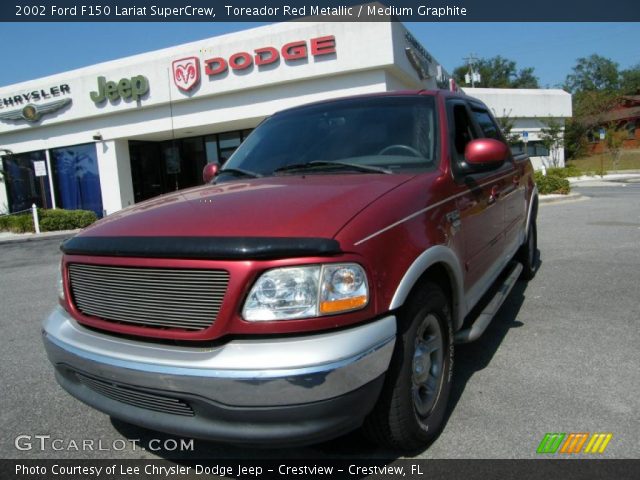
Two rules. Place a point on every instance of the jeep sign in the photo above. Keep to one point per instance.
(127, 88)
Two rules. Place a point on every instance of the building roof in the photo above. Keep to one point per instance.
(614, 115)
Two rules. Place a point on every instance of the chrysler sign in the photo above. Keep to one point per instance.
(34, 104)
(186, 71)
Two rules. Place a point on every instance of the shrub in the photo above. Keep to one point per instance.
(50, 220)
(566, 172)
(552, 184)
(16, 223)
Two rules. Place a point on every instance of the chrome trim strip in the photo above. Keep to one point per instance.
(426, 209)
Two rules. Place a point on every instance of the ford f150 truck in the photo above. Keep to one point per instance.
(316, 283)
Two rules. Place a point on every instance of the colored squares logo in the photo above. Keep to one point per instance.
(569, 443)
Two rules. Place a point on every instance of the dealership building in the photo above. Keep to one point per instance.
(113, 134)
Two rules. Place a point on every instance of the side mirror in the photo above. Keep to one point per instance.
(486, 153)
(210, 171)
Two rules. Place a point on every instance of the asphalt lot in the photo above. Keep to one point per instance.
(562, 356)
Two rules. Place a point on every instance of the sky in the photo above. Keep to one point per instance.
(33, 50)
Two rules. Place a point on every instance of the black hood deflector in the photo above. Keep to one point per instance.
(206, 248)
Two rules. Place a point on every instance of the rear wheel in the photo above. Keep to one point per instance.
(528, 254)
(412, 405)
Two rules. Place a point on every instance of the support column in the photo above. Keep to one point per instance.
(4, 197)
(115, 175)
(50, 179)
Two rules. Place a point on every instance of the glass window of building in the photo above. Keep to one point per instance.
(537, 149)
(24, 181)
(211, 147)
(166, 166)
(77, 181)
(228, 143)
(147, 176)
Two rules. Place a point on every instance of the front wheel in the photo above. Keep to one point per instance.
(413, 403)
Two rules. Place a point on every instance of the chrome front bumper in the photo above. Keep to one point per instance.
(246, 391)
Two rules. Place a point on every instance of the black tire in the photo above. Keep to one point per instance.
(413, 402)
(528, 254)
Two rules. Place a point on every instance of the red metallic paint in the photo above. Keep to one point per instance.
(285, 206)
(349, 208)
(485, 151)
(242, 274)
(209, 172)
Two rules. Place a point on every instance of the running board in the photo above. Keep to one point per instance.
(484, 319)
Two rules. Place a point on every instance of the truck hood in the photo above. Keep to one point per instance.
(286, 206)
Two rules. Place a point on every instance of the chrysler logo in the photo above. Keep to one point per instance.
(186, 73)
(33, 113)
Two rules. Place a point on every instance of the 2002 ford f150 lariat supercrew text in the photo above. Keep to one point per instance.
(316, 283)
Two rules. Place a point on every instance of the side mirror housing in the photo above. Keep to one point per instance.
(485, 154)
(210, 171)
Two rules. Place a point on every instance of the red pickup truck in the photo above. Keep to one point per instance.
(317, 283)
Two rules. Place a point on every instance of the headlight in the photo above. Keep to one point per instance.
(304, 292)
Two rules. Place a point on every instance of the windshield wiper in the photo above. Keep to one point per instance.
(320, 164)
(240, 172)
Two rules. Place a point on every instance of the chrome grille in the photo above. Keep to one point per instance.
(155, 297)
(137, 398)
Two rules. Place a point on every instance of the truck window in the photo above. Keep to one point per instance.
(463, 132)
(487, 125)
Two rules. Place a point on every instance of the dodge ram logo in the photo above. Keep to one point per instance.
(186, 73)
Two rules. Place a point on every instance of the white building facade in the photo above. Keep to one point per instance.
(530, 111)
(107, 136)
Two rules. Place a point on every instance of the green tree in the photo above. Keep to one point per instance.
(552, 138)
(575, 139)
(589, 109)
(498, 72)
(595, 83)
(614, 139)
(593, 73)
(506, 125)
(630, 80)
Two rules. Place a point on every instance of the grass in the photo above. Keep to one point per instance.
(629, 160)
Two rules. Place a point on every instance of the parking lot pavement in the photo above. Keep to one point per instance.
(562, 355)
(8, 237)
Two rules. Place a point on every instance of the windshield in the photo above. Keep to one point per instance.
(391, 134)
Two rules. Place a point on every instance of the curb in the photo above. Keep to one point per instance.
(610, 177)
(556, 198)
(32, 237)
